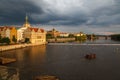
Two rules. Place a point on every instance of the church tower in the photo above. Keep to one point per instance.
(26, 24)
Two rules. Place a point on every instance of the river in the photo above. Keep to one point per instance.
(67, 62)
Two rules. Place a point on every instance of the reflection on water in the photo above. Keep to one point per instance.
(37, 52)
(67, 62)
(29, 60)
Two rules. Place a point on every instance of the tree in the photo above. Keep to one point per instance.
(27, 40)
(71, 36)
(5, 40)
(115, 37)
(81, 38)
(0, 38)
(49, 36)
(14, 39)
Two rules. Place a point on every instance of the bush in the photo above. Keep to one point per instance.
(27, 40)
(115, 37)
(14, 39)
(5, 40)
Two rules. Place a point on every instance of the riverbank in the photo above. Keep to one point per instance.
(17, 46)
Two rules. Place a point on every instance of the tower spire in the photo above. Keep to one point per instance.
(26, 19)
(26, 24)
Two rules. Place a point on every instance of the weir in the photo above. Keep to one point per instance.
(82, 44)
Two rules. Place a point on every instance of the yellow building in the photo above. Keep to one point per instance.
(13, 33)
(35, 35)
(8, 31)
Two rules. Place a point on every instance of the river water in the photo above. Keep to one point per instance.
(67, 62)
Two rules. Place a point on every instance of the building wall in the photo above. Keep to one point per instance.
(64, 34)
(20, 34)
(2, 32)
(35, 37)
(13, 32)
(54, 33)
(8, 31)
(79, 34)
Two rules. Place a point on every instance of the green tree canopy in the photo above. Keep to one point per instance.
(5, 40)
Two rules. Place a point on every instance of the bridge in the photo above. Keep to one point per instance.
(104, 37)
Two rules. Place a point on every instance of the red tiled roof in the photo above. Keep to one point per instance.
(1, 28)
(42, 30)
(36, 29)
(63, 33)
(9, 27)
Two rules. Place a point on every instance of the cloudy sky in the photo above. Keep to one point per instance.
(89, 16)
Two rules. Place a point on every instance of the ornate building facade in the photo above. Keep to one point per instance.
(21, 30)
(35, 35)
(8, 31)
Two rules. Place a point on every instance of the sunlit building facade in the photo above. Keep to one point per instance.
(35, 35)
(8, 31)
(21, 30)
(79, 34)
(62, 34)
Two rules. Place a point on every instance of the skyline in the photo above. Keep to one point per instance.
(96, 16)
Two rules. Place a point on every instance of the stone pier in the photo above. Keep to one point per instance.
(6, 60)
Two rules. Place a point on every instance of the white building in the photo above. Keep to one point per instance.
(21, 30)
(64, 34)
(7, 33)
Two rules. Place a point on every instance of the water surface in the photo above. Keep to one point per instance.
(67, 62)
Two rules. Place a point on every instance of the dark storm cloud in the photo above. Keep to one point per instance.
(79, 12)
(106, 16)
(96, 14)
(14, 11)
(60, 12)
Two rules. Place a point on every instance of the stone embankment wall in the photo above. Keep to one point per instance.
(9, 73)
(61, 39)
(10, 47)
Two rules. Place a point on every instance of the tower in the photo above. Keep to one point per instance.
(26, 24)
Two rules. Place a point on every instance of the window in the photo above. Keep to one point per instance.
(38, 37)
